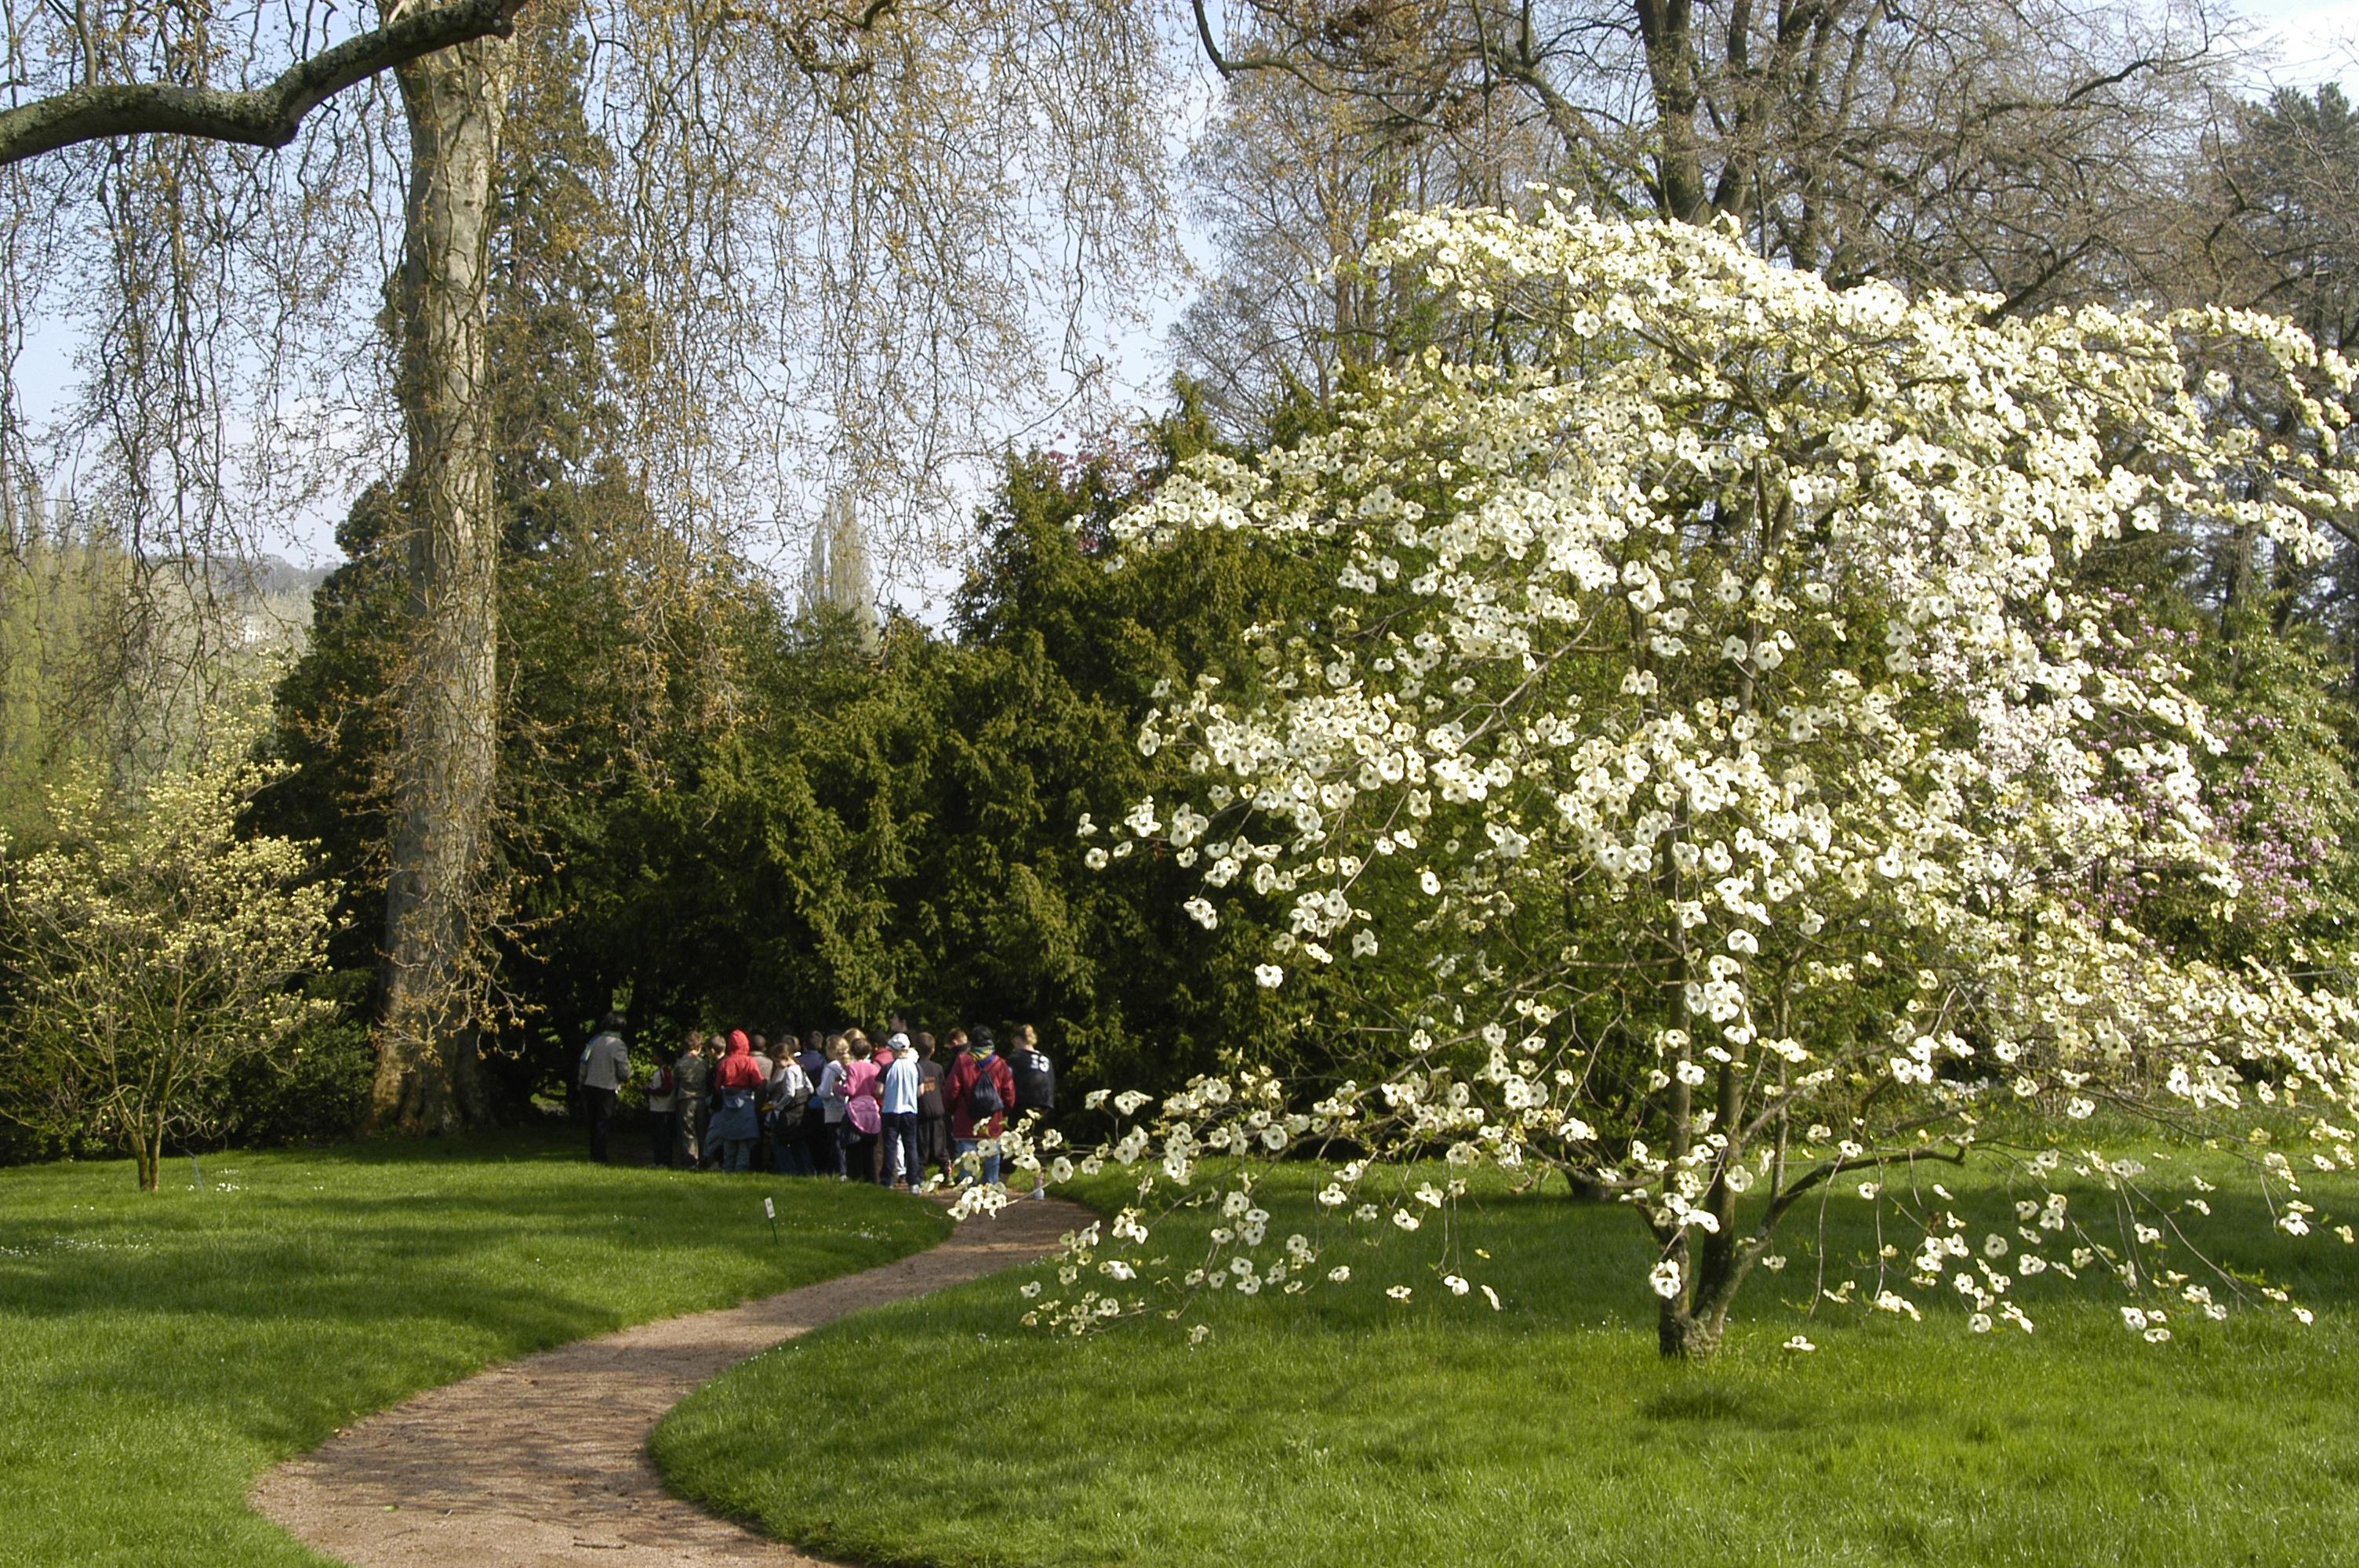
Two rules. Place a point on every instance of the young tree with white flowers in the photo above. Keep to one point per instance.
(1702, 779)
(151, 951)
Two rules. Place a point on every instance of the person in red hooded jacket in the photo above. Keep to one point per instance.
(736, 1124)
(978, 1115)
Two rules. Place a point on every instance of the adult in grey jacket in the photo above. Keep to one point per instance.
(604, 1069)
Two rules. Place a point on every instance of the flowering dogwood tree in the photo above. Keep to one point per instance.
(1695, 780)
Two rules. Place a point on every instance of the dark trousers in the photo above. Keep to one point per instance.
(789, 1150)
(934, 1141)
(711, 1160)
(818, 1137)
(901, 1139)
(600, 1106)
(660, 1127)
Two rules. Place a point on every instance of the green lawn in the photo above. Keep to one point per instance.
(158, 1351)
(1341, 1428)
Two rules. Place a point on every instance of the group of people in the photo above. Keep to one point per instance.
(836, 1105)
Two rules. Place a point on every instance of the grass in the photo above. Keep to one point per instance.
(158, 1351)
(1338, 1427)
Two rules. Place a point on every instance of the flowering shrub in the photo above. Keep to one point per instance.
(154, 952)
(1696, 786)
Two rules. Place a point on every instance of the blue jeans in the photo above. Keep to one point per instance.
(967, 1146)
(901, 1149)
(737, 1153)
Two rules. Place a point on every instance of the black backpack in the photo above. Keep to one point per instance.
(984, 1098)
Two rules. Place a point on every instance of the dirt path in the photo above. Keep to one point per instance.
(544, 1461)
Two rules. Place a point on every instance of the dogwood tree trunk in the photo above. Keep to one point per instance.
(444, 770)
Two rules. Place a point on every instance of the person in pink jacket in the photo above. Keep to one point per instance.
(862, 1113)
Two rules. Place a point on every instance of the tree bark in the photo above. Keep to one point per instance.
(1666, 27)
(444, 767)
(1682, 1335)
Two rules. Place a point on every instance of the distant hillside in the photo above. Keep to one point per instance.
(268, 577)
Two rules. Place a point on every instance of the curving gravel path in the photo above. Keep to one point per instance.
(543, 1460)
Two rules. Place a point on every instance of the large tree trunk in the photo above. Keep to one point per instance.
(1666, 29)
(426, 1076)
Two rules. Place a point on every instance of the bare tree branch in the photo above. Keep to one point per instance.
(262, 116)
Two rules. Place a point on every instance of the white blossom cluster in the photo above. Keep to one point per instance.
(1692, 783)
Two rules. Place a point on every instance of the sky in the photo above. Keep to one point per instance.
(2319, 39)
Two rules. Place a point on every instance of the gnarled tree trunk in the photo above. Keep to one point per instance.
(444, 771)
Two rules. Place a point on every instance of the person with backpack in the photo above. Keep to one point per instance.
(1036, 1089)
(788, 1097)
(604, 1069)
(981, 1089)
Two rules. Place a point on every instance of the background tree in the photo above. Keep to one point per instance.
(2271, 226)
(2283, 178)
(60, 593)
(151, 953)
(51, 108)
(1297, 170)
(2029, 151)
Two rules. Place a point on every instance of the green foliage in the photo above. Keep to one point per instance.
(317, 1090)
(731, 813)
(2280, 789)
(331, 726)
(2277, 783)
(157, 1352)
(1061, 660)
(58, 596)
